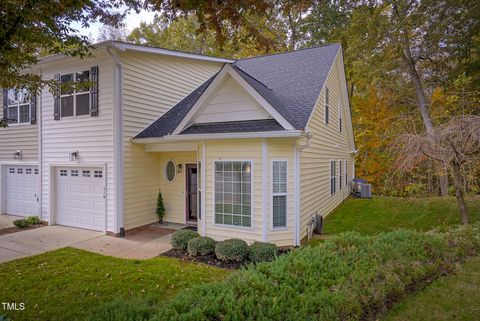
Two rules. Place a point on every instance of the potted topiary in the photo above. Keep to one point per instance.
(160, 207)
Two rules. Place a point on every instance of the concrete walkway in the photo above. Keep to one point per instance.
(36, 241)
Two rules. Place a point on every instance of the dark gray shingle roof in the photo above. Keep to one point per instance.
(290, 82)
(261, 125)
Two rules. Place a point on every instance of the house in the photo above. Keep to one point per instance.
(250, 148)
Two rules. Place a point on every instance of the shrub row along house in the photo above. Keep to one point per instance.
(248, 148)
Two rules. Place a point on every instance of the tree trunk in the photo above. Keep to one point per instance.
(443, 180)
(462, 206)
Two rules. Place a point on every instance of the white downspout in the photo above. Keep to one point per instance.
(39, 110)
(119, 220)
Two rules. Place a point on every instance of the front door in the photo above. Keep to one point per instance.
(191, 193)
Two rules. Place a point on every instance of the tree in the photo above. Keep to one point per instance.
(29, 27)
(108, 32)
(455, 143)
(160, 207)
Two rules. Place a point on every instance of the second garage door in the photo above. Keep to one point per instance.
(80, 197)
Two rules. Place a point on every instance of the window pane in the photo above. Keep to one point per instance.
(13, 114)
(66, 79)
(24, 113)
(83, 104)
(23, 96)
(232, 193)
(279, 211)
(12, 97)
(82, 77)
(66, 106)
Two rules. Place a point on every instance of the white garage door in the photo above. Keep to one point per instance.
(80, 197)
(22, 190)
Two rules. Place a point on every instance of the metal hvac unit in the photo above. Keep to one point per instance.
(366, 190)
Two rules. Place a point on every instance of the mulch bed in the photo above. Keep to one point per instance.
(211, 259)
(14, 229)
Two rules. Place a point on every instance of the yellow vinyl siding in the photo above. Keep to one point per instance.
(18, 137)
(280, 149)
(91, 136)
(152, 85)
(174, 192)
(244, 150)
(327, 144)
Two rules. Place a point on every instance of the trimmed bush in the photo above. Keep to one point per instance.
(348, 277)
(201, 246)
(33, 220)
(232, 250)
(21, 223)
(180, 239)
(262, 252)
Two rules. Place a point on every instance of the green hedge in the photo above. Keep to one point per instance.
(201, 246)
(262, 252)
(232, 250)
(180, 239)
(348, 277)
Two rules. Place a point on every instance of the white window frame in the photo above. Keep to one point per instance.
(174, 171)
(252, 196)
(278, 228)
(74, 94)
(333, 177)
(326, 110)
(346, 173)
(18, 105)
(340, 174)
(340, 119)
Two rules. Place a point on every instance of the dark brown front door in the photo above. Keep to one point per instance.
(191, 193)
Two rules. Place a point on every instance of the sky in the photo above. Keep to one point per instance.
(132, 20)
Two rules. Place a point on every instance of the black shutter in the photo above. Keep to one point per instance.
(33, 108)
(56, 99)
(94, 91)
(5, 103)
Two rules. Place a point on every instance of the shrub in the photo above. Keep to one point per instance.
(180, 239)
(262, 252)
(201, 246)
(347, 277)
(33, 220)
(21, 223)
(232, 250)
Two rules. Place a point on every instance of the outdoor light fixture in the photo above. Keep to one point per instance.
(179, 168)
(74, 156)
(17, 154)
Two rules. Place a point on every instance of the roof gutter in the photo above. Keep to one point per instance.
(218, 136)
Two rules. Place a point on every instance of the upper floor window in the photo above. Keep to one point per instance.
(19, 106)
(340, 122)
(340, 175)
(327, 105)
(75, 94)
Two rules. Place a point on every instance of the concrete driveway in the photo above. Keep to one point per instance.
(31, 242)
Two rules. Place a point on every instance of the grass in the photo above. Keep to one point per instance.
(454, 297)
(68, 283)
(383, 214)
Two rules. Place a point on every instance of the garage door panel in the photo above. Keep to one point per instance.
(22, 190)
(80, 200)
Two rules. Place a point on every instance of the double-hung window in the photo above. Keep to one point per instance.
(340, 175)
(18, 106)
(346, 173)
(340, 122)
(279, 194)
(333, 177)
(75, 94)
(233, 193)
(327, 106)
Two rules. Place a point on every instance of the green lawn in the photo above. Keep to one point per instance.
(70, 283)
(380, 214)
(454, 297)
